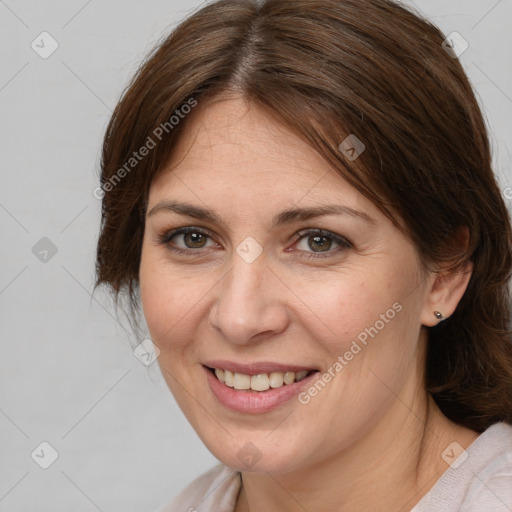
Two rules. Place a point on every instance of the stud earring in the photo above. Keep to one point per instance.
(439, 315)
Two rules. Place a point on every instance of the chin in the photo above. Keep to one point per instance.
(256, 457)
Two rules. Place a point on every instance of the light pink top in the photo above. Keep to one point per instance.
(479, 480)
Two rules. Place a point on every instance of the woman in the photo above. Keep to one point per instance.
(299, 194)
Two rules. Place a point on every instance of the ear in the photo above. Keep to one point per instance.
(446, 288)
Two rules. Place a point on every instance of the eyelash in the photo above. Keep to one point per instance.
(165, 238)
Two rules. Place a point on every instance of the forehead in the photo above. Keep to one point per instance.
(237, 153)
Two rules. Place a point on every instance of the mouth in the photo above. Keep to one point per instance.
(259, 382)
(256, 391)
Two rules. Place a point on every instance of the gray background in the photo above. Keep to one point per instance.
(68, 375)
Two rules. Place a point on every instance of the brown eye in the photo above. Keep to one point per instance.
(320, 241)
(194, 240)
(186, 240)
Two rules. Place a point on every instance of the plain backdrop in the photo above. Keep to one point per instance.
(113, 437)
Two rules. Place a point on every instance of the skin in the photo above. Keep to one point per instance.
(368, 428)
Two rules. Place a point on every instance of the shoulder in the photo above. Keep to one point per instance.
(480, 479)
(491, 488)
(215, 490)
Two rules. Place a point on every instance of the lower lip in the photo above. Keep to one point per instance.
(254, 402)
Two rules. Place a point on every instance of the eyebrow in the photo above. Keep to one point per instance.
(285, 217)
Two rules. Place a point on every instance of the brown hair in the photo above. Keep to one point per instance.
(326, 69)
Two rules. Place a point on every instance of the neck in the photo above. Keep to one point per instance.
(391, 468)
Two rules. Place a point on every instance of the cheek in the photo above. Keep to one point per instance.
(171, 298)
(343, 306)
(367, 320)
(158, 296)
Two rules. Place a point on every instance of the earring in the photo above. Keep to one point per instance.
(438, 315)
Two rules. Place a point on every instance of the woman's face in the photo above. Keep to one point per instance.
(251, 288)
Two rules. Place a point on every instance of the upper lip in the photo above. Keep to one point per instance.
(257, 367)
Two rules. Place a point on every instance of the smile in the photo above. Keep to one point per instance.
(260, 382)
(257, 393)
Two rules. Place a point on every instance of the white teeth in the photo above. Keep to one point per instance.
(228, 378)
(276, 379)
(241, 381)
(260, 382)
(300, 375)
(289, 377)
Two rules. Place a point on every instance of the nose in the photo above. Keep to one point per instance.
(250, 303)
